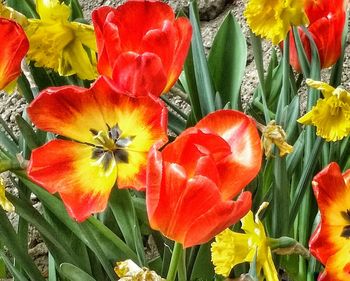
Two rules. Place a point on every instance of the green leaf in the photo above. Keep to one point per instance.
(111, 244)
(13, 270)
(203, 80)
(124, 212)
(73, 273)
(9, 238)
(227, 61)
(76, 10)
(26, 7)
(203, 268)
(27, 132)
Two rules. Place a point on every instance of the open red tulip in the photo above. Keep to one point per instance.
(143, 36)
(14, 45)
(330, 243)
(326, 24)
(191, 183)
(110, 134)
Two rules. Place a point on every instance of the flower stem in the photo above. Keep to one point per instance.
(175, 258)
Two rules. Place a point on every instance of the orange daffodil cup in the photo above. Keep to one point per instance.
(330, 243)
(14, 46)
(326, 24)
(191, 184)
(108, 134)
(141, 35)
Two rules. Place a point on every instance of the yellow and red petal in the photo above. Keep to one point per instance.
(14, 46)
(139, 75)
(69, 111)
(330, 243)
(70, 169)
(244, 162)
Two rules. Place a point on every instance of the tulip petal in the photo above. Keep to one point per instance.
(14, 46)
(217, 218)
(69, 111)
(244, 162)
(68, 168)
(139, 75)
(184, 34)
(135, 19)
(194, 144)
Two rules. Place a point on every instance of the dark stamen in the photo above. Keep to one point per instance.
(346, 232)
(94, 132)
(121, 155)
(114, 132)
(346, 215)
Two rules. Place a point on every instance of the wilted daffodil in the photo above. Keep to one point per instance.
(330, 243)
(330, 115)
(192, 182)
(129, 271)
(274, 134)
(109, 135)
(272, 19)
(232, 248)
(60, 44)
(14, 45)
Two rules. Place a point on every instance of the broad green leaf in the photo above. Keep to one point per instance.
(111, 244)
(124, 212)
(26, 7)
(227, 61)
(18, 275)
(73, 273)
(206, 93)
(27, 132)
(8, 237)
(203, 268)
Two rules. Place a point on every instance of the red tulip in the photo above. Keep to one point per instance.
(327, 19)
(142, 36)
(191, 183)
(14, 45)
(330, 243)
(109, 135)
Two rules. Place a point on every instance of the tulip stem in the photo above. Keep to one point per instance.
(175, 258)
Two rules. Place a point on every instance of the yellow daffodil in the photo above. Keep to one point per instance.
(272, 19)
(130, 271)
(59, 44)
(4, 202)
(330, 115)
(232, 248)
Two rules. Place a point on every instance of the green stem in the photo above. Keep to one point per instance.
(175, 258)
(257, 51)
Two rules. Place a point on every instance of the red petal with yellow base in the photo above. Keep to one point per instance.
(66, 167)
(84, 170)
(142, 27)
(14, 46)
(330, 242)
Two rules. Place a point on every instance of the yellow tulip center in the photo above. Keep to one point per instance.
(111, 146)
(346, 230)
